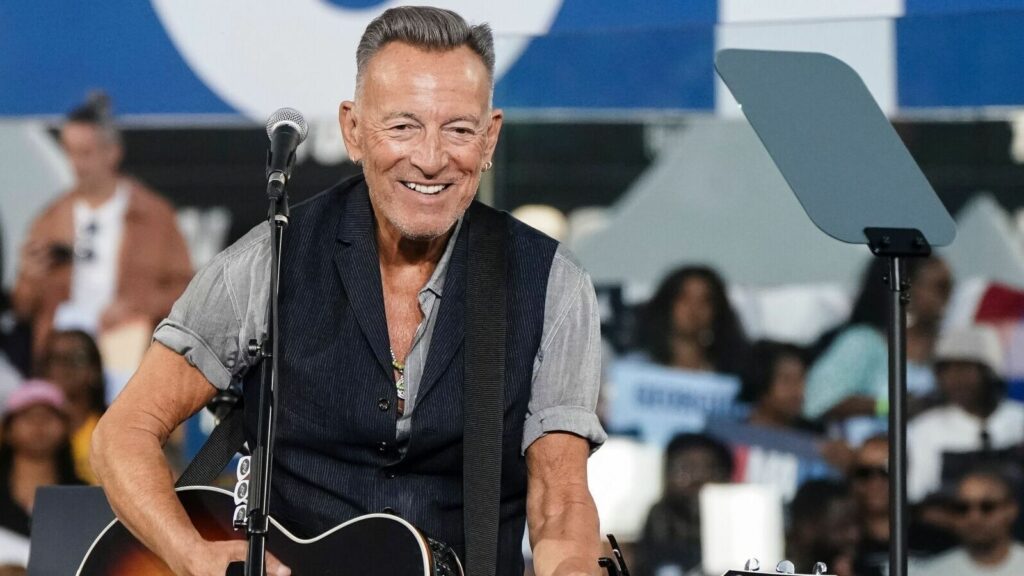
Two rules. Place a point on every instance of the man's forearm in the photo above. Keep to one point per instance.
(559, 508)
(567, 542)
(127, 453)
(140, 488)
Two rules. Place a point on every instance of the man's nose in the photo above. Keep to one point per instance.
(430, 155)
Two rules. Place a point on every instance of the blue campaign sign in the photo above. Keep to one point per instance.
(658, 402)
(781, 458)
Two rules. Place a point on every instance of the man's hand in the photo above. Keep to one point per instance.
(560, 512)
(37, 260)
(213, 558)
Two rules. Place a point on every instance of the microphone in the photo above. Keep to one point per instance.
(286, 129)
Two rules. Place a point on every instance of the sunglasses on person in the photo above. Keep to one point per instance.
(865, 473)
(986, 506)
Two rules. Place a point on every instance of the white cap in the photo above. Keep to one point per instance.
(971, 344)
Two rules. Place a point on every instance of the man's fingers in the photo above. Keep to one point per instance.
(276, 568)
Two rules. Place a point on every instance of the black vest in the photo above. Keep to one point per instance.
(335, 454)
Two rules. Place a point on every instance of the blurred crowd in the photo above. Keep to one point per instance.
(965, 432)
(105, 261)
(99, 267)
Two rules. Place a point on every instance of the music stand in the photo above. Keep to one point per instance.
(858, 183)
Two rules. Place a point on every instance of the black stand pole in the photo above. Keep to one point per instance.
(897, 244)
(899, 296)
(258, 522)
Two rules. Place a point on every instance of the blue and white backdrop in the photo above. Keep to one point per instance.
(213, 60)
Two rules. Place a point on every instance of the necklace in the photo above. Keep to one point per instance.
(400, 381)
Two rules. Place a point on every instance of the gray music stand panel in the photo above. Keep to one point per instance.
(833, 145)
(65, 522)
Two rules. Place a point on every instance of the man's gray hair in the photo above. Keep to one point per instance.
(427, 28)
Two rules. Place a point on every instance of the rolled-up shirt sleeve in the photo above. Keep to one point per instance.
(567, 369)
(222, 309)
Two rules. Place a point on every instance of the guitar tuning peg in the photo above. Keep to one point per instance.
(240, 518)
(752, 565)
(785, 567)
(820, 568)
(243, 468)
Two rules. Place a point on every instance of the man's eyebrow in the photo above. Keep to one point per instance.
(407, 115)
(465, 118)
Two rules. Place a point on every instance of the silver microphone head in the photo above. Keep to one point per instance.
(289, 116)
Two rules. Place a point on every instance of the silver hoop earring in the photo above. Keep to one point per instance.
(487, 165)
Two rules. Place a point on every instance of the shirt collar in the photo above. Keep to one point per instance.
(436, 282)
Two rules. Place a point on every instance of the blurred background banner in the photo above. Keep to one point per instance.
(229, 59)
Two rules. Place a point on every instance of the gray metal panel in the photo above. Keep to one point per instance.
(65, 522)
(833, 145)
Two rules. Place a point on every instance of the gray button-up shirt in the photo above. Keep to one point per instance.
(225, 306)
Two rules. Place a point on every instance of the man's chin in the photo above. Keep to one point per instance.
(424, 232)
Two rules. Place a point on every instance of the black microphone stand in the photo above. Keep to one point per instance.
(258, 518)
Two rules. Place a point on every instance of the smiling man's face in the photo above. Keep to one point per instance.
(423, 128)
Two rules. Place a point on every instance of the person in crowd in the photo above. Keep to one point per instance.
(107, 252)
(71, 360)
(986, 507)
(850, 376)
(690, 324)
(823, 527)
(35, 450)
(975, 422)
(869, 484)
(671, 534)
(773, 384)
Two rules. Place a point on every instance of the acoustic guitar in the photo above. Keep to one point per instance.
(378, 544)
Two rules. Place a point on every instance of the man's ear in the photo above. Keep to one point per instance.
(493, 130)
(349, 122)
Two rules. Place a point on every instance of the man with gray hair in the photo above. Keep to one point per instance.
(374, 332)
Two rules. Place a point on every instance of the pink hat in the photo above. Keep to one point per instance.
(32, 393)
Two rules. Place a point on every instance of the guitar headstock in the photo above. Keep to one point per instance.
(753, 568)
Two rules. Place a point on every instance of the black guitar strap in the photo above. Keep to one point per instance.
(218, 450)
(483, 388)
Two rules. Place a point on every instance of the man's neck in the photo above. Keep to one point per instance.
(97, 193)
(395, 250)
(990, 555)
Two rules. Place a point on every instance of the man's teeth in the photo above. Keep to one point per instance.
(424, 189)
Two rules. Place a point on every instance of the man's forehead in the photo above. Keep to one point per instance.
(398, 61)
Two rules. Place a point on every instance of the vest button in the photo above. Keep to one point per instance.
(383, 404)
(390, 475)
(382, 447)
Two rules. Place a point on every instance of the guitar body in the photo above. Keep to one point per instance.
(379, 544)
